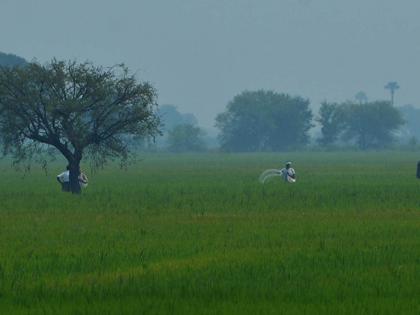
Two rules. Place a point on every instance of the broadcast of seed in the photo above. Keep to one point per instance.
(287, 173)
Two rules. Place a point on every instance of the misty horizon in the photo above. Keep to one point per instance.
(200, 54)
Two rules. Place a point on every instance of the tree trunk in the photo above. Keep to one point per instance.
(74, 177)
(418, 169)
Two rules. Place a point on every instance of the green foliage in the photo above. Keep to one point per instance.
(369, 125)
(185, 138)
(264, 121)
(197, 234)
(170, 117)
(332, 121)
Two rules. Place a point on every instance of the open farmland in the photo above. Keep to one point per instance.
(198, 234)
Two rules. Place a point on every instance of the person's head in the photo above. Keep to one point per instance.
(288, 164)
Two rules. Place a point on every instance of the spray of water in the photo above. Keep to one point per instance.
(268, 174)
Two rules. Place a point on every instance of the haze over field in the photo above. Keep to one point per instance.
(199, 54)
(279, 174)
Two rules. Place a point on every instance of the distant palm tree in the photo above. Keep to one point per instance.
(361, 97)
(392, 87)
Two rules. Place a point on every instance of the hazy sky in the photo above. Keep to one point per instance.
(200, 53)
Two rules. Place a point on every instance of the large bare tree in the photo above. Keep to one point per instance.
(79, 109)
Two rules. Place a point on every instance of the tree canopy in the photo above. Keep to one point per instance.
(185, 138)
(170, 117)
(79, 109)
(367, 125)
(264, 121)
(331, 120)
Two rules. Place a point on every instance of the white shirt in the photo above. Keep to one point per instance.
(288, 174)
(64, 177)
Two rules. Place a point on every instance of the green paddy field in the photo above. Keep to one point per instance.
(198, 234)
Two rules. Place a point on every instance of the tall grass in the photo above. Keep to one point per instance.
(197, 234)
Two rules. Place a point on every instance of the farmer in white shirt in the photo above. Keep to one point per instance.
(288, 173)
(64, 180)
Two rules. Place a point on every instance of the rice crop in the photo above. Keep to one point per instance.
(199, 234)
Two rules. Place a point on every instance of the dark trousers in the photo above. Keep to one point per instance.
(65, 186)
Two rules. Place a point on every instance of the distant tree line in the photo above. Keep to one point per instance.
(180, 131)
(265, 120)
(370, 125)
(10, 60)
(269, 121)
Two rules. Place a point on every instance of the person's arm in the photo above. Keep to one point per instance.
(60, 178)
(83, 178)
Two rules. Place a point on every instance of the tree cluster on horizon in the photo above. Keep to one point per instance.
(264, 121)
(180, 131)
(370, 125)
(269, 121)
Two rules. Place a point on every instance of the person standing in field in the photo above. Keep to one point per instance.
(64, 179)
(83, 180)
(288, 173)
